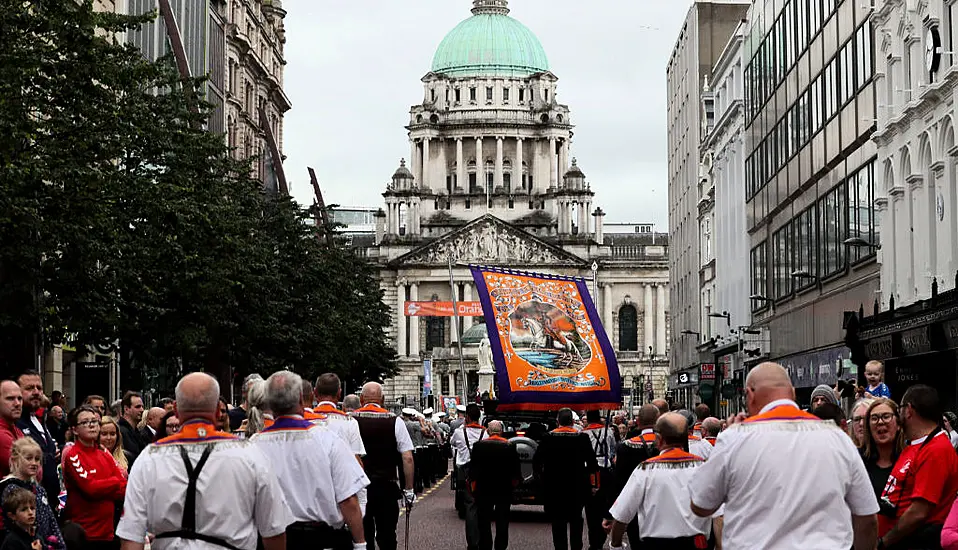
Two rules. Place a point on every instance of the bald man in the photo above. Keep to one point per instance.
(154, 417)
(494, 472)
(711, 427)
(656, 493)
(385, 439)
(662, 405)
(634, 451)
(224, 473)
(786, 478)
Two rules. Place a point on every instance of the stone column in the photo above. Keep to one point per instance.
(607, 308)
(413, 323)
(534, 165)
(460, 166)
(517, 166)
(553, 166)
(480, 165)
(426, 165)
(414, 160)
(452, 384)
(467, 297)
(53, 369)
(563, 158)
(411, 217)
(647, 305)
(660, 319)
(498, 174)
(400, 318)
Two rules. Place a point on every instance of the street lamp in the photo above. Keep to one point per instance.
(691, 333)
(806, 275)
(759, 298)
(859, 242)
(724, 315)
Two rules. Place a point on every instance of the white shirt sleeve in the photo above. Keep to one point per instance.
(272, 514)
(859, 495)
(709, 487)
(348, 476)
(403, 441)
(134, 523)
(355, 438)
(627, 506)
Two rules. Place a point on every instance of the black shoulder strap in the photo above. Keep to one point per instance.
(188, 526)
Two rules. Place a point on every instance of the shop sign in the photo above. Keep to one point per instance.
(906, 374)
(707, 371)
(951, 334)
(916, 341)
(808, 370)
(879, 348)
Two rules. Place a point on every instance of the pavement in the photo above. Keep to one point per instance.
(435, 525)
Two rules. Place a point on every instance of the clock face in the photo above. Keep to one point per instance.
(932, 50)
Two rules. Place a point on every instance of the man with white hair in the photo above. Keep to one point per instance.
(787, 479)
(319, 474)
(206, 487)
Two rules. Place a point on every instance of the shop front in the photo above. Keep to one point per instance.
(683, 387)
(918, 345)
(810, 369)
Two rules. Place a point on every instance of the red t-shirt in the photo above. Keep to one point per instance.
(94, 483)
(928, 472)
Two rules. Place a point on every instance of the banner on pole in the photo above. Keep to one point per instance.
(426, 377)
(441, 309)
(548, 344)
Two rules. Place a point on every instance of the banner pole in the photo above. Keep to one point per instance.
(455, 325)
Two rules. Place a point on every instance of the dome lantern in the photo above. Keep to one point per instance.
(494, 7)
(402, 178)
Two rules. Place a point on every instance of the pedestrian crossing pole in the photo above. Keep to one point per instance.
(455, 328)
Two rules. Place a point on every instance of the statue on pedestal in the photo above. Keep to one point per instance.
(486, 365)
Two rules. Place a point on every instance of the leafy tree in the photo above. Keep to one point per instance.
(122, 220)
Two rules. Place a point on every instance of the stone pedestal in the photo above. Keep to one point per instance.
(487, 378)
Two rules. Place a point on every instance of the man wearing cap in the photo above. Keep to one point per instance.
(463, 440)
(823, 394)
(454, 425)
(786, 478)
(324, 503)
(657, 494)
(460, 417)
(415, 435)
(602, 440)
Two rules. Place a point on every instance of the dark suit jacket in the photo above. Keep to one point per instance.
(565, 463)
(494, 469)
(132, 441)
(50, 481)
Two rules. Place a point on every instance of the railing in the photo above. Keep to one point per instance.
(638, 252)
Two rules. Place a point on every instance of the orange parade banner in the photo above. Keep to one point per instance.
(442, 309)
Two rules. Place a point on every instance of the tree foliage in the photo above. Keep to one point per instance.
(122, 220)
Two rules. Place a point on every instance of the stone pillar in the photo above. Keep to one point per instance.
(660, 319)
(498, 174)
(401, 318)
(563, 158)
(413, 323)
(467, 297)
(553, 164)
(480, 165)
(534, 165)
(607, 308)
(517, 166)
(452, 384)
(599, 216)
(414, 160)
(411, 217)
(53, 369)
(426, 182)
(461, 178)
(647, 305)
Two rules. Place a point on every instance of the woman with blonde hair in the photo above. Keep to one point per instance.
(25, 460)
(258, 416)
(859, 421)
(884, 440)
(112, 440)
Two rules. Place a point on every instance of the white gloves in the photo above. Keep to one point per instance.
(359, 546)
(408, 498)
(623, 547)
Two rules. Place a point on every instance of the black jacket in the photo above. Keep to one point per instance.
(48, 445)
(566, 466)
(132, 441)
(494, 468)
(17, 539)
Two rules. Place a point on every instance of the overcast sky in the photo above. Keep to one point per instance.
(355, 68)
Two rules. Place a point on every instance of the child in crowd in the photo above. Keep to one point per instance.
(875, 375)
(25, 460)
(20, 515)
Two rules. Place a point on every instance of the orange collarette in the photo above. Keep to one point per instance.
(694, 438)
(371, 408)
(676, 455)
(329, 409)
(644, 438)
(310, 415)
(496, 438)
(711, 440)
(474, 425)
(595, 426)
(564, 430)
(781, 412)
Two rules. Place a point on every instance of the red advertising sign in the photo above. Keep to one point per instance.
(707, 371)
(442, 309)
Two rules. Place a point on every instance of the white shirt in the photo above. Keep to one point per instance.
(314, 466)
(344, 426)
(700, 447)
(657, 493)
(403, 441)
(787, 481)
(237, 494)
(458, 442)
(604, 455)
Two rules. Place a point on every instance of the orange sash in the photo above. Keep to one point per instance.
(676, 455)
(780, 413)
(644, 438)
(329, 409)
(195, 431)
(564, 430)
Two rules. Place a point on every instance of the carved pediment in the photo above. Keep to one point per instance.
(489, 241)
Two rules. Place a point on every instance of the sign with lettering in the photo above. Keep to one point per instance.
(879, 348)
(916, 341)
(442, 309)
(951, 334)
(906, 374)
(707, 371)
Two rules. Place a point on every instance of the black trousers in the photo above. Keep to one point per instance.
(596, 510)
(470, 509)
(494, 509)
(319, 537)
(632, 530)
(682, 543)
(382, 515)
(566, 519)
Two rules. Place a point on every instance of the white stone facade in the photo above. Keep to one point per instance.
(916, 190)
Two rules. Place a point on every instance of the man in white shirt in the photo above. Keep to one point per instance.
(462, 441)
(316, 470)
(328, 391)
(201, 489)
(657, 495)
(788, 479)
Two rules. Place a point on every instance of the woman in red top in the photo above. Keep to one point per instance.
(92, 478)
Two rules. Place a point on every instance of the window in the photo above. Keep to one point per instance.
(861, 212)
(505, 94)
(628, 329)
(488, 93)
(458, 95)
(435, 333)
(758, 262)
(432, 94)
(782, 263)
(472, 94)
(522, 95)
(804, 238)
(832, 208)
(547, 95)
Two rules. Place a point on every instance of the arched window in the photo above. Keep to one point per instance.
(628, 329)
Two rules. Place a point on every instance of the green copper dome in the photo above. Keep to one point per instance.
(490, 43)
